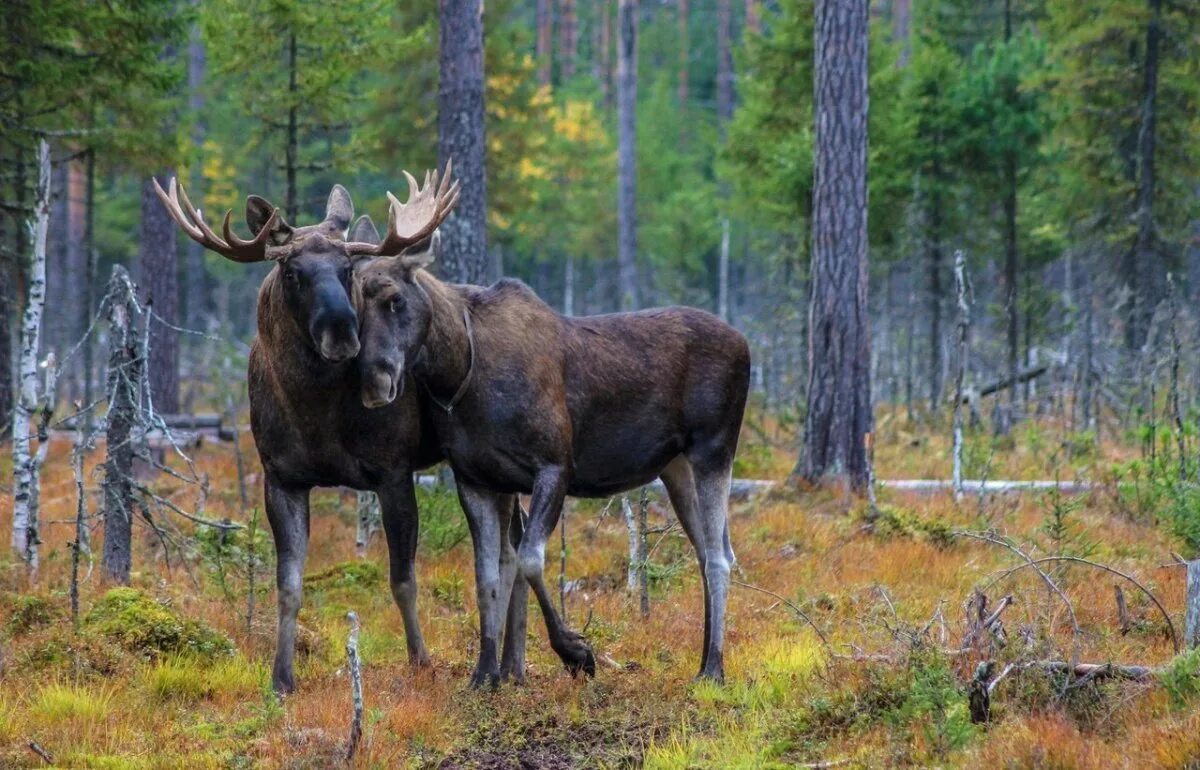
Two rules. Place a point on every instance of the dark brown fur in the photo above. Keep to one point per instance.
(582, 406)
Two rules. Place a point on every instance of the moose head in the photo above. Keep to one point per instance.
(315, 263)
(396, 316)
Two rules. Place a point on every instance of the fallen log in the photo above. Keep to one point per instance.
(1004, 383)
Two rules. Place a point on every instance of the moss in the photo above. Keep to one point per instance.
(140, 624)
(30, 612)
(347, 574)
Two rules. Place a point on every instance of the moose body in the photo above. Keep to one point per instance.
(309, 426)
(529, 401)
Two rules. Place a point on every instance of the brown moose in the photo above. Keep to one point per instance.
(525, 400)
(308, 421)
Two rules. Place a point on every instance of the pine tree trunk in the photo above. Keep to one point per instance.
(935, 298)
(753, 17)
(76, 278)
(1145, 275)
(1011, 267)
(568, 39)
(292, 149)
(684, 58)
(25, 476)
(602, 53)
(839, 388)
(627, 29)
(461, 137)
(724, 114)
(197, 295)
(157, 279)
(545, 30)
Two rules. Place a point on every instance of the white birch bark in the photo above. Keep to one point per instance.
(24, 539)
(964, 321)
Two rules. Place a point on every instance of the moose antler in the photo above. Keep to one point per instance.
(189, 218)
(410, 223)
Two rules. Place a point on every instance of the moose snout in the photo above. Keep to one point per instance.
(381, 383)
(336, 348)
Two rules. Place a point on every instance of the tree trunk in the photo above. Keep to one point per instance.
(197, 295)
(1145, 275)
(627, 283)
(89, 280)
(753, 17)
(568, 31)
(1011, 266)
(602, 55)
(545, 29)
(935, 298)
(124, 381)
(684, 58)
(724, 114)
(461, 137)
(839, 387)
(25, 476)
(292, 149)
(157, 279)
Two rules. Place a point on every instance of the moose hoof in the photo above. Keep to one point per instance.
(714, 674)
(576, 654)
(485, 680)
(419, 659)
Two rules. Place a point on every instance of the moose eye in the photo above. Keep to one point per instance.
(290, 275)
(395, 305)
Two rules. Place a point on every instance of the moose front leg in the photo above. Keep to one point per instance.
(489, 516)
(287, 512)
(398, 506)
(549, 491)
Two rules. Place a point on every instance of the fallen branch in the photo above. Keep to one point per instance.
(792, 606)
(45, 755)
(1080, 560)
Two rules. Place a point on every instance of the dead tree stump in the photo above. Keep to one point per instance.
(124, 388)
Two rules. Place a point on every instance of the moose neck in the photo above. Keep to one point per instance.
(445, 362)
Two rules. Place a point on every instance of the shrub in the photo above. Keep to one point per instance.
(1181, 678)
(347, 574)
(30, 612)
(140, 624)
(443, 523)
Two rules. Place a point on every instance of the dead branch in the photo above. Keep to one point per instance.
(1080, 560)
(791, 605)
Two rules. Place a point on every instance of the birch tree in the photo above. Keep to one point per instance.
(25, 465)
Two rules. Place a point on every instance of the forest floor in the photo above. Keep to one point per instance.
(146, 683)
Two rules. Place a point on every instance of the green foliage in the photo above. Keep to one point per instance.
(898, 522)
(347, 574)
(232, 554)
(1098, 84)
(443, 524)
(30, 612)
(141, 625)
(1181, 678)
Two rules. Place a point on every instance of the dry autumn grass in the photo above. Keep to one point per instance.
(896, 589)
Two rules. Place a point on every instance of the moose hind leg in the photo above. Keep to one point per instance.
(680, 482)
(287, 513)
(712, 491)
(512, 657)
(549, 491)
(398, 505)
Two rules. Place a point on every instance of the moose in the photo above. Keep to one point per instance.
(308, 422)
(525, 400)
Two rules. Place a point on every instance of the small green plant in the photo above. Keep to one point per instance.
(449, 590)
(30, 612)
(140, 624)
(346, 574)
(443, 524)
(1181, 678)
(1066, 534)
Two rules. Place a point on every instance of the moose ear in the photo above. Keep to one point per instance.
(339, 210)
(422, 254)
(258, 211)
(364, 231)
